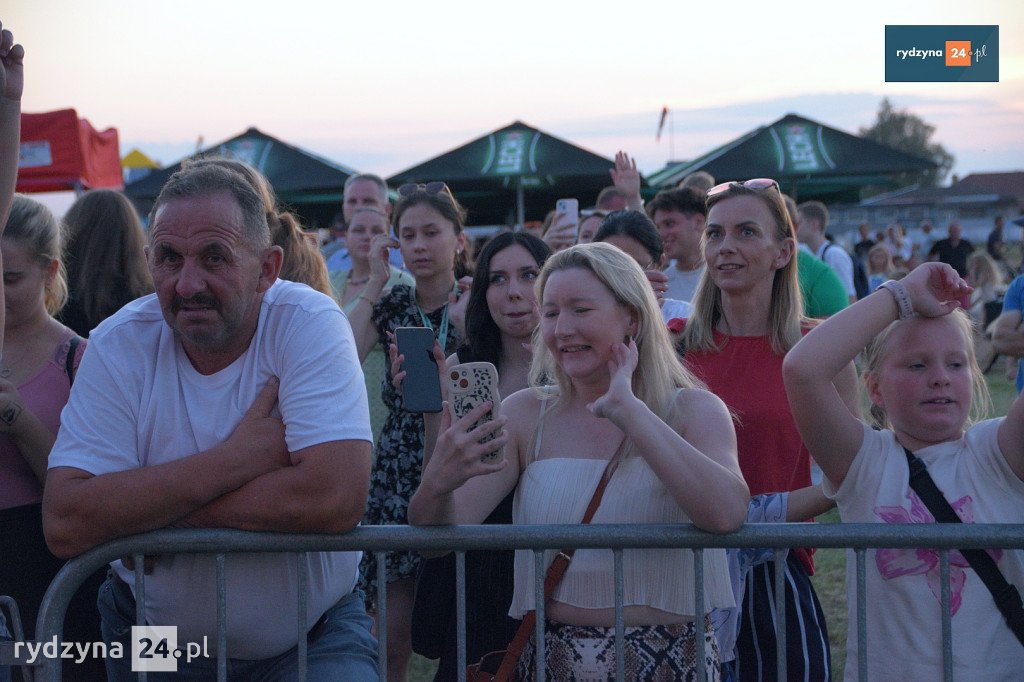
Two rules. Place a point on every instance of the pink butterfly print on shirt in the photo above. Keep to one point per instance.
(896, 563)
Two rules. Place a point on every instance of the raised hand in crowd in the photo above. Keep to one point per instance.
(562, 232)
(457, 302)
(626, 177)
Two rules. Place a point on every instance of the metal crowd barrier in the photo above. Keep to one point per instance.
(382, 539)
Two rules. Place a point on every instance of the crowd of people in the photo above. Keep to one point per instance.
(683, 361)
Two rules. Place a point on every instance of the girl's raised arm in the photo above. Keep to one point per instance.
(831, 431)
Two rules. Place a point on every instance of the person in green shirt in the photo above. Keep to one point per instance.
(822, 291)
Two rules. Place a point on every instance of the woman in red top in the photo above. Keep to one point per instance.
(746, 315)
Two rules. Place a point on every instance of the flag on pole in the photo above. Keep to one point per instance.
(661, 123)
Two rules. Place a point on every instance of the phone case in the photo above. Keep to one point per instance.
(421, 388)
(469, 385)
(569, 207)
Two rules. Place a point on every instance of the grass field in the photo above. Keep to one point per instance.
(830, 564)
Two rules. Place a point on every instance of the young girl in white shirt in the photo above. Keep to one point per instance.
(924, 383)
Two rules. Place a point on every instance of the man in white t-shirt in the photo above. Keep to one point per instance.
(812, 219)
(228, 399)
(679, 216)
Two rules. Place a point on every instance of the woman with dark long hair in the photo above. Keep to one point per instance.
(429, 224)
(105, 259)
(501, 317)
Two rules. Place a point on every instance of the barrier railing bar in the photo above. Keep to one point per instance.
(460, 614)
(538, 596)
(222, 618)
(382, 617)
(780, 612)
(17, 631)
(620, 619)
(947, 628)
(539, 537)
(140, 598)
(862, 615)
(301, 565)
(699, 622)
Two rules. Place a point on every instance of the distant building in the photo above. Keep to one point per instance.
(1011, 184)
(974, 202)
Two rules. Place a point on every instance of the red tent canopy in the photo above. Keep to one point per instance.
(59, 151)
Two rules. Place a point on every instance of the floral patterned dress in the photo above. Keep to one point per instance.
(399, 454)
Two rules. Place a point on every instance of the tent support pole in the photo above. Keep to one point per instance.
(520, 204)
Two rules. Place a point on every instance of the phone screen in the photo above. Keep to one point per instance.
(421, 387)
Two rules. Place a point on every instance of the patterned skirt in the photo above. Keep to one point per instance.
(653, 653)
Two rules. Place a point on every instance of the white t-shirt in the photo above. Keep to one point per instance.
(682, 283)
(138, 401)
(904, 633)
(840, 261)
(671, 308)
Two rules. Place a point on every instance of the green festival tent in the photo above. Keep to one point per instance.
(809, 159)
(309, 185)
(513, 174)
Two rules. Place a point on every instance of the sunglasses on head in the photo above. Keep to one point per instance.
(429, 188)
(756, 183)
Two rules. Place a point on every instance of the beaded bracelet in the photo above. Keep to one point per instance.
(902, 296)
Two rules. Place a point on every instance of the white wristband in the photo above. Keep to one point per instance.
(902, 296)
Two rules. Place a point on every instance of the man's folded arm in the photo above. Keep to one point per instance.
(82, 510)
(323, 492)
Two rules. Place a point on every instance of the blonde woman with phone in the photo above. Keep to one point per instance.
(620, 403)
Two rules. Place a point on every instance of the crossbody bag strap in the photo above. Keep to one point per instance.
(555, 573)
(69, 361)
(1006, 596)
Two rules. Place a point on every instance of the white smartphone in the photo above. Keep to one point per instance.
(469, 385)
(570, 208)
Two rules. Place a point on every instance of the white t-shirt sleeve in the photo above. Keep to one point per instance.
(322, 396)
(98, 424)
(841, 262)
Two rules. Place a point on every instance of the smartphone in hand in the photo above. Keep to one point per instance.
(469, 385)
(421, 388)
(570, 208)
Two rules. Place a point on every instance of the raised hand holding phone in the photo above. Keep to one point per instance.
(472, 384)
(562, 232)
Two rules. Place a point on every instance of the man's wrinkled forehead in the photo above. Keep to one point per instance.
(215, 215)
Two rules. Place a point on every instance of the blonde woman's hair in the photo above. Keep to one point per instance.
(37, 230)
(785, 310)
(659, 374)
(988, 265)
(874, 354)
(879, 248)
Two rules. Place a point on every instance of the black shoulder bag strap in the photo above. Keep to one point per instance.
(69, 361)
(1006, 596)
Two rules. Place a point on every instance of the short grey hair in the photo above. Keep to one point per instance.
(202, 180)
(370, 177)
